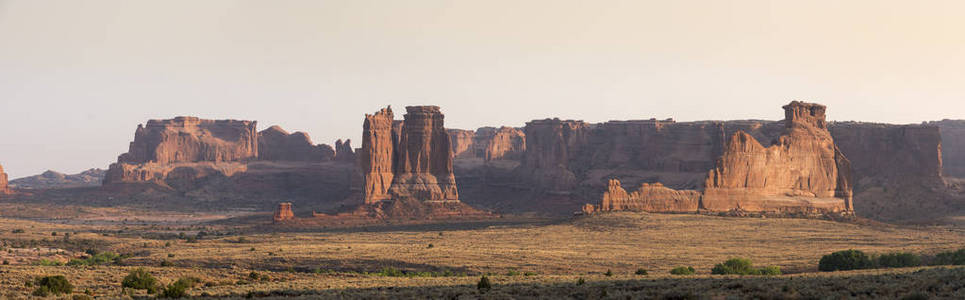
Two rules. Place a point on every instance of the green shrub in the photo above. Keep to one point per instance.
(179, 288)
(898, 260)
(641, 272)
(683, 271)
(102, 258)
(743, 266)
(47, 262)
(52, 285)
(580, 281)
(140, 279)
(608, 273)
(512, 273)
(845, 260)
(484, 285)
(738, 266)
(770, 270)
(950, 258)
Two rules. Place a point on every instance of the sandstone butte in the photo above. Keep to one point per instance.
(407, 169)
(802, 172)
(283, 212)
(4, 189)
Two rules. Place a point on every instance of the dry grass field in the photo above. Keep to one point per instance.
(527, 259)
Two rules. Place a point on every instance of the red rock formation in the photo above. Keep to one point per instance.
(462, 143)
(377, 156)
(489, 143)
(423, 168)
(897, 169)
(190, 139)
(344, 151)
(276, 144)
(505, 142)
(803, 171)
(953, 146)
(177, 145)
(650, 198)
(550, 144)
(283, 212)
(4, 189)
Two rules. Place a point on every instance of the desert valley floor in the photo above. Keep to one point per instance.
(524, 257)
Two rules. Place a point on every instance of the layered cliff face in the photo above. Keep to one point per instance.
(803, 171)
(953, 146)
(488, 143)
(4, 189)
(276, 144)
(462, 143)
(897, 169)
(502, 143)
(165, 146)
(550, 145)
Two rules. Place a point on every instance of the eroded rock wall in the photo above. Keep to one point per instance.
(953, 146)
(550, 146)
(276, 144)
(897, 169)
(190, 139)
(649, 197)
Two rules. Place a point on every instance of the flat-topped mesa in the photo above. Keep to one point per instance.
(423, 168)
(4, 189)
(377, 155)
(276, 144)
(190, 139)
(162, 146)
(803, 172)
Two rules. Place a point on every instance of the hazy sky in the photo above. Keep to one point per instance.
(76, 77)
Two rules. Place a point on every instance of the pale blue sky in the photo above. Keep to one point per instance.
(76, 77)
